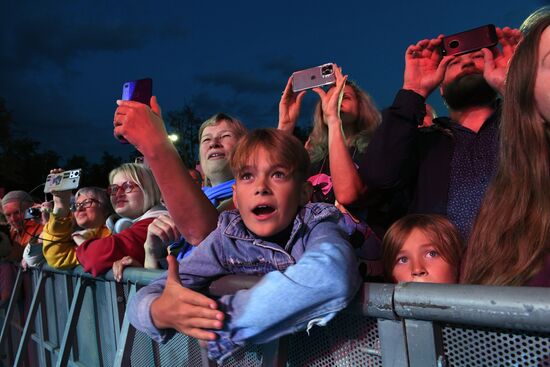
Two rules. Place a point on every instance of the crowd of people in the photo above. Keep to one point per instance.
(372, 196)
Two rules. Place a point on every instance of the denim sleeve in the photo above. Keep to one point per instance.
(312, 291)
(195, 272)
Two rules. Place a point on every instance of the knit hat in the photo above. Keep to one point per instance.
(17, 195)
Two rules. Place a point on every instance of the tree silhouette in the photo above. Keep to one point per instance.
(23, 166)
(185, 123)
(98, 173)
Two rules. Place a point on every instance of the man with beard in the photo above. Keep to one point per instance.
(446, 168)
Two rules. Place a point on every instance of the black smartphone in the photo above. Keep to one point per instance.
(470, 41)
(313, 77)
(140, 91)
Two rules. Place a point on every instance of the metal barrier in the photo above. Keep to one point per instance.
(77, 320)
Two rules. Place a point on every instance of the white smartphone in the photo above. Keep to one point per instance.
(313, 77)
(66, 180)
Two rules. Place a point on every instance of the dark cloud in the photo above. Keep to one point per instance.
(252, 112)
(31, 46)
(60, 59)
(283, 65)
(239, 82)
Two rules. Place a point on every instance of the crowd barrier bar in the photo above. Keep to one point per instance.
(409, 325)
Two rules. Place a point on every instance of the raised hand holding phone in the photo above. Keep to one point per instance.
(331, 99)
(141, 125)
(424, 67)
(139, 91)
(497, 60)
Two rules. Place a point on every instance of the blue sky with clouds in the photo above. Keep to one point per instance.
(63, 63)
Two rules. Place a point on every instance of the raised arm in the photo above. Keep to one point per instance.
(390, 155)
(144, 128)
(58, 247)
(347, 184)
(424, 67)
(289, 108)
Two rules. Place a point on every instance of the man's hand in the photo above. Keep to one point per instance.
(185, 310)
(141, 125)
(497, 61)
(289, 108)
(424, 67)
(330, 100)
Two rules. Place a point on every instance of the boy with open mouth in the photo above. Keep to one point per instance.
(311, 269)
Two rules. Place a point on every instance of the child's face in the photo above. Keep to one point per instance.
(267, 195)
(420, 261)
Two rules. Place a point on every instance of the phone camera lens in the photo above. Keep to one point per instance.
(454, 44)
(33, 212)
(326, 70)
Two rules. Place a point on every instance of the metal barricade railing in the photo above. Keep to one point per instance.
(77, 320)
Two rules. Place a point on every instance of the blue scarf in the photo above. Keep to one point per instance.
(220, 192)
(215, 194)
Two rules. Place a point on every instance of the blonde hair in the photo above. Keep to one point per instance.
(143, 177)
(367, 121)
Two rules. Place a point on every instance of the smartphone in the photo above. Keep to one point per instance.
(32, 213)
(66, 180)
(140, 91)
(313, 77)
(470, 41)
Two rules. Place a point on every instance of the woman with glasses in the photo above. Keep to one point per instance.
(136, 198)
(89, 212)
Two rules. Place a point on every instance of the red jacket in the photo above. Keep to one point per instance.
(98, 255)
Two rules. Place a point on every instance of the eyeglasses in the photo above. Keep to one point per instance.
(127, 187)
(85, 204)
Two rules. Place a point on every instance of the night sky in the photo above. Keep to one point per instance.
(63, 63)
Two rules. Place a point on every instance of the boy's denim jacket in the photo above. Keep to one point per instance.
(306, 283)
